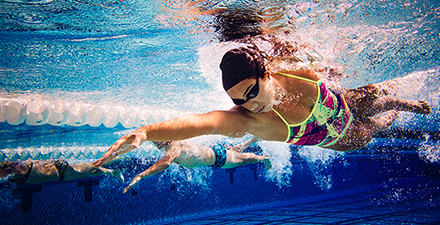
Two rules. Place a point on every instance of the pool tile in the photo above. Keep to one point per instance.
(242, 222)
(411, 219)
(351, 216)
(300, 213)
(320, 220)
(379, 222)
(235, 216)
(200, 222)
(271, 218)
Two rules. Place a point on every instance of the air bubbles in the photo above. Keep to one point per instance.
(319, 160)
(430, 152)
(280, 155)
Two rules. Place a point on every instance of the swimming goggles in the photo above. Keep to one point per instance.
(251, 94)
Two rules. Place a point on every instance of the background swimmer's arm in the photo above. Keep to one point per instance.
(240, 147)
(231, 123)
(162, 164)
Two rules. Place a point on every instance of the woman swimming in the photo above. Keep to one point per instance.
(291, 106)
(39, 171)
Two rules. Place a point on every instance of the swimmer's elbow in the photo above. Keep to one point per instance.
(218, 122)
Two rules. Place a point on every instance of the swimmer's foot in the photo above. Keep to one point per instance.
(126, 189)
(384, 121)
(118, 175)
(420, 107)
(267, 162)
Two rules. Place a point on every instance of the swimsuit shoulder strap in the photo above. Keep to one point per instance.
(287, 124)
(298, 77)
(281, 117)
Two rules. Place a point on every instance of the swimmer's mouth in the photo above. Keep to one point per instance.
(262, 108)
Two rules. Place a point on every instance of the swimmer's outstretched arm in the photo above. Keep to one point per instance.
(162, 164)
(232, 123)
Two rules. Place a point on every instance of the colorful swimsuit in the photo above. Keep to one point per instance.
(326, 123)
(220, 155)
(61, 166)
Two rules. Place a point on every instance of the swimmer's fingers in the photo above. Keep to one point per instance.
(123, 145)
(109, 155)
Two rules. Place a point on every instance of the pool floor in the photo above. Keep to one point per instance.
(408, 203)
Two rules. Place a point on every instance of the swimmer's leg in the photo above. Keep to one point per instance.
(373, 99)
(362, 131)
(115, 173)
(384, 121)
(390, 103)
(235, 159)
(85, 170)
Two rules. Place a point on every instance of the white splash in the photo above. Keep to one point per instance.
(318, 160)
(430, 151)
(280, 155)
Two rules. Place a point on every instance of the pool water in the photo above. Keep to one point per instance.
(77, 75)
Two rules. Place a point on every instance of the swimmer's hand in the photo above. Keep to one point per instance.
(133, 183)
(123, 145)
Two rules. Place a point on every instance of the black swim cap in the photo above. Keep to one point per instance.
(240, 64)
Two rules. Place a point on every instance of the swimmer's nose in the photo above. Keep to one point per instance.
(254, 107)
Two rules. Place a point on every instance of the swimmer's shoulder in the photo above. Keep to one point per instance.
(306, 73)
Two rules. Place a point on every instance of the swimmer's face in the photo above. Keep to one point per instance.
(253, 94)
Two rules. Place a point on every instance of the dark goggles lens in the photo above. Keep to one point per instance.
(251, 94)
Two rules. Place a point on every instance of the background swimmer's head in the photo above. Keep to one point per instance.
(12, 168)
(240, 64)
(237, 23)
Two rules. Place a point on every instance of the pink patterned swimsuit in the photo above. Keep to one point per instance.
(326, 123)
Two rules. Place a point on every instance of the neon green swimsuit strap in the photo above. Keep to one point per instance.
(314, 107)
(287, 124)
(298, 77)
(311, 112)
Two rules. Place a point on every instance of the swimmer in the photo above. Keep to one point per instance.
(294, 106)
(38, 171)
(190, 155)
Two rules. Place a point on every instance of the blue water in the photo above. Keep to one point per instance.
(77, 75)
